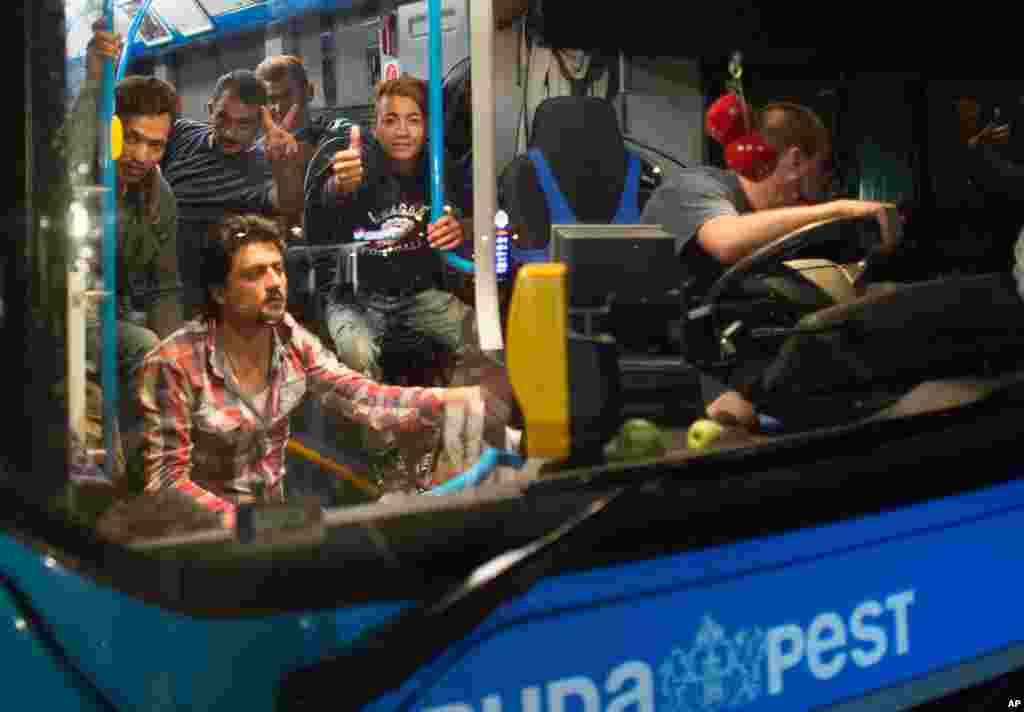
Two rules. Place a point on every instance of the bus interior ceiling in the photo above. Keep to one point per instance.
(666, 89)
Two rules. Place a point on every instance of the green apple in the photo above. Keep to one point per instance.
(637, 438)
(702, 434)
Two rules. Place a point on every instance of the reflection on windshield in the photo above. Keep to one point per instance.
(285, 320)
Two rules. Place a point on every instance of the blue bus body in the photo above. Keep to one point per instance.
(928, 594)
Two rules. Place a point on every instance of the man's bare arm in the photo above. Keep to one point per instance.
(287, 163)
(729, 238)
(286, 195)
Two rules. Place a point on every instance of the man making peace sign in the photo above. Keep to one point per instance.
(216, 167)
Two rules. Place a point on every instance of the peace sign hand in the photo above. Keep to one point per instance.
(280, 144)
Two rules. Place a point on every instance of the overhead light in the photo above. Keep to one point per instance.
(222, 7)
(185, 16)
(151, 31)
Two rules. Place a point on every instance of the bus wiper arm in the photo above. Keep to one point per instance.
(384, 657)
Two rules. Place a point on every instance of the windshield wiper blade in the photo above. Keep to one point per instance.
(386, 656)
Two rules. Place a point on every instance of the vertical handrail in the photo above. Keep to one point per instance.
(484, 172)
(129, 42)
(109, 174)
(485, 179)
(436, 111)
(108, 372)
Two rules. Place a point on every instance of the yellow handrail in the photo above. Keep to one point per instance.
(341, 470)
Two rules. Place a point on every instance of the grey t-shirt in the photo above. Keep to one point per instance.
(681, 208)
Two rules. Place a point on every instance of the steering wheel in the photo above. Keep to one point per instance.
(726, 334)
(769, 257)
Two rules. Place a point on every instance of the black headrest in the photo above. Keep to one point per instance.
(580, 138)
(576, 123)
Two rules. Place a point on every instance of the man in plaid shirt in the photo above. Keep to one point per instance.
(216, 395)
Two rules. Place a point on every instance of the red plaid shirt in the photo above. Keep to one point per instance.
(205, 439)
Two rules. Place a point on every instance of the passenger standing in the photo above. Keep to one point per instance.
(147, 264)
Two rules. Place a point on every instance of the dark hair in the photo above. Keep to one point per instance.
(146, 96)
(276, 68)
(225, 240)
(244, 84)
(406, 85)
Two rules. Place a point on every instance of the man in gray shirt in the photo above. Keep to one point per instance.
(719, 216)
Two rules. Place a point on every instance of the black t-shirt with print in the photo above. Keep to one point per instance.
(384, 202)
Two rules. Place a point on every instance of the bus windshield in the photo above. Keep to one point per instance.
(293, 266)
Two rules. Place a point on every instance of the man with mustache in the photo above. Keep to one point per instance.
(216, 167)
(147, 265)
(217, 395)
(720, 217)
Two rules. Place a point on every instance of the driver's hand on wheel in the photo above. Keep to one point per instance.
(991, 135)
(891, 222)
(888, 216)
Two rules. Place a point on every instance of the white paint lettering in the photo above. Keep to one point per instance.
(826, 643)
(530, 699)
(868, 633)
(779, 660)
(897, 603)
(638, 699)
(826, 633)
(578, 687)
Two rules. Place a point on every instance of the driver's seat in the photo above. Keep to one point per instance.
(580, 170)
(577, 166)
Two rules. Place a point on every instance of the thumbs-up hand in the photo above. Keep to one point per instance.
(347, 165)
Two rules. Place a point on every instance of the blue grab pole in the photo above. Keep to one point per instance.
(108, 374)
(479, 472)
(436, 110)
(129, 42)
(436, 101)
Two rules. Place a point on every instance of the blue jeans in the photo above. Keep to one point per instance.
(367, 327)
(364, 325)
